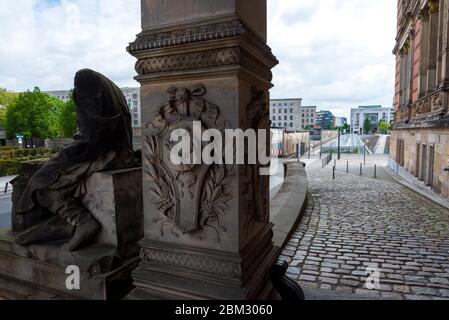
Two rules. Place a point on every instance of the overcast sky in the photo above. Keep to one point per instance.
(335, 54)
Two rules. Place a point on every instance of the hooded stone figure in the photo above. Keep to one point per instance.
(103, 142)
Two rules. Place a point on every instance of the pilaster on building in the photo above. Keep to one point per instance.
(420, 139)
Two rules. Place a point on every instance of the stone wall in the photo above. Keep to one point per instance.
(437, 138)
(293, 139)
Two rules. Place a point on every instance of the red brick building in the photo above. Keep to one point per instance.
(420, 139)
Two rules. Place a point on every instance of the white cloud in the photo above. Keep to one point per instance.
(44, 42)
(334, 53)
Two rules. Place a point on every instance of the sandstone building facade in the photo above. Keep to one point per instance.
(420, 139)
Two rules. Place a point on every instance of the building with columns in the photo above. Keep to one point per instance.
(420, 139)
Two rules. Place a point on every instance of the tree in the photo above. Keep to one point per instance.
(6, 98)
(34, 115)
(68, 118)
(384, 127)
(367, 126)
(308, 127)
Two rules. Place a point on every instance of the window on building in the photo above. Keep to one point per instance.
(291, 125)
(135, 96)
(291, 110)
(285, 118)
(291, 118)
(430, 41)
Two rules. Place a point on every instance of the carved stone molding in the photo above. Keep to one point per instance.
(148, 40)
(191, 262)
(402, 114)
(432, 104)
(201, 60)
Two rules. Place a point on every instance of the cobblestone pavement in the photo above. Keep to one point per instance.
(354, 222)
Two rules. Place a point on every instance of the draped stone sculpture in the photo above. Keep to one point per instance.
(50, 208)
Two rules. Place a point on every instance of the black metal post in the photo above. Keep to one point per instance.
(321, 144)
(339, 144)
(333, 173)
(347, 166)
(361, 169)
(375, 171)
(364, 152)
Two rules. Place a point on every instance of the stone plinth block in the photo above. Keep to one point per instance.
(39, 272)
(115, 200)
(157, 13)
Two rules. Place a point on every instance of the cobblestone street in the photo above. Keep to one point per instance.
(354, 222)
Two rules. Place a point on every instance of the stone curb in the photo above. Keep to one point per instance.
(290, 203)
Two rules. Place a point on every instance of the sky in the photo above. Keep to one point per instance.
(335, 54)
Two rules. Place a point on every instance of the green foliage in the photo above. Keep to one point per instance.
(6, 98)
(9, 167)
(34, 115)
(384, 127)
(68, 118)
(367, 126)
(12, 157)
(14, 153)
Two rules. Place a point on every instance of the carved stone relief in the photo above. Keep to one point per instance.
(256, 187)
(191, 199)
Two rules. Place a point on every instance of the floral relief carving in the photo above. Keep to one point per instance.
(190, 199)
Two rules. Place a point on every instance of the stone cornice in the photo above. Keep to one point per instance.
(194, 34)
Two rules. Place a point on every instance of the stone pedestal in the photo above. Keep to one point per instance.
(207, 229)
(115, 199)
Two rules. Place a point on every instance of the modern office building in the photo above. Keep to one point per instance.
(290, 114)
(374, 113)
(324, 119)
(340, 122)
